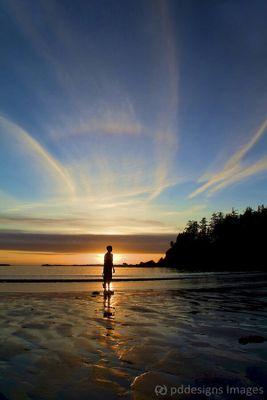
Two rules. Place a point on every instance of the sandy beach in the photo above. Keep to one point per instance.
(89, 346)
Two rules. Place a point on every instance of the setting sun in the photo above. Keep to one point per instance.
(117, 258)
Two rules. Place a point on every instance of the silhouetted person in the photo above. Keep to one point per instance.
(108, 268)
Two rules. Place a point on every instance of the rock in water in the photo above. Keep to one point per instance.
(251, 339)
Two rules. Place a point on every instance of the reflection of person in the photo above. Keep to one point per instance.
(107, 312)
(108, 268)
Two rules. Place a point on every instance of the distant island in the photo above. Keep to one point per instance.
(5, 265)
(146, 264)
(71, 265)
(226, 242)
(150, 263)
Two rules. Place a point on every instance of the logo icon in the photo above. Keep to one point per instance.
(161, 390)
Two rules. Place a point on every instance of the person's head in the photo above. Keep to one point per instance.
(109, 249)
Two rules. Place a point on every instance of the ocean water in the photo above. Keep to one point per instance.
(28, 278)
(86, 272)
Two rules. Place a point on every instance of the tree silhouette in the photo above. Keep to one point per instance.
(232, 241)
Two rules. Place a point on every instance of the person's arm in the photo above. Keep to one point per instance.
(104, 265)
(113, 265)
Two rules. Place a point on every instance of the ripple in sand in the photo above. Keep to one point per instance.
(143, 386)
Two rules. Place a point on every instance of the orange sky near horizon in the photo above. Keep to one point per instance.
(37, 258)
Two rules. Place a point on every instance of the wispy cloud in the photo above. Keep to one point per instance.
(22, 140)
(106, 121)
(91, 221)
(253, 169)
(108, 152)
(234, 171)
(166, 135)
(95, 103)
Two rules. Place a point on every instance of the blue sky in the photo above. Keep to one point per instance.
(130, 117)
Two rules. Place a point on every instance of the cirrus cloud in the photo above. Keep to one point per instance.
(234, 171)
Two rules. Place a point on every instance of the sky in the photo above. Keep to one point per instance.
(121, 120)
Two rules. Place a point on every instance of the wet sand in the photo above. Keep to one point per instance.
(87, 346)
